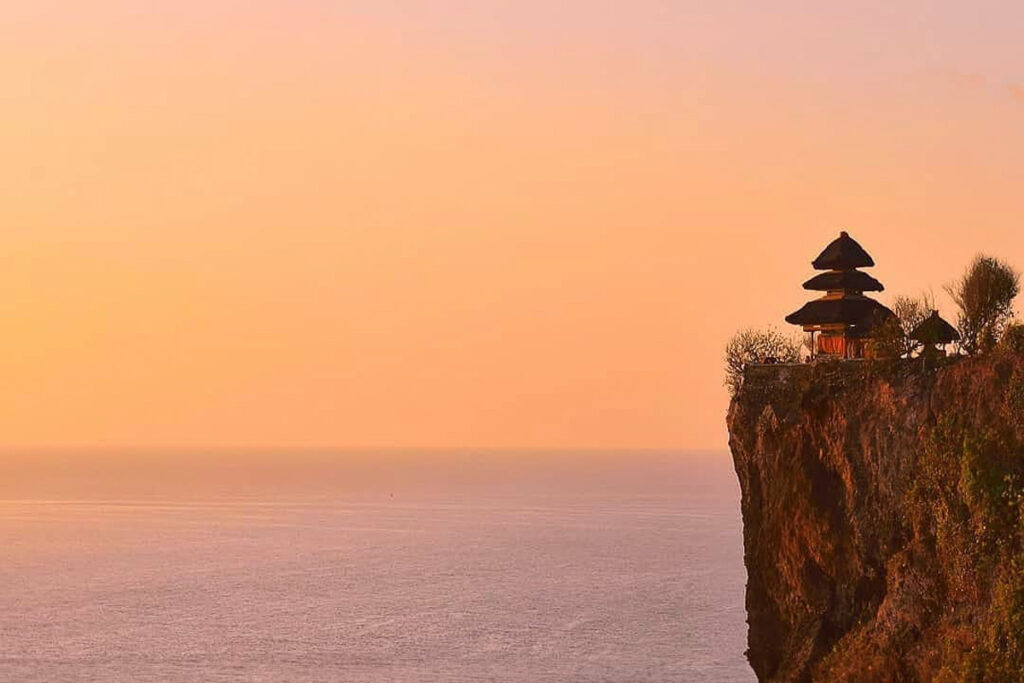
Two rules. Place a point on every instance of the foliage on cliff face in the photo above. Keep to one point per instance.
(968, 499)
(883, 513)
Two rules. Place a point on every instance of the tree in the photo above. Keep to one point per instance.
(984, 295)
(910, 312)
(757, 346)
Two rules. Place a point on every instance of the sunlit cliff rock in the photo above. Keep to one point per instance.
(883, 510)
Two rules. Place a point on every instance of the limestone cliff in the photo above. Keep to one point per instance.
(883, 511)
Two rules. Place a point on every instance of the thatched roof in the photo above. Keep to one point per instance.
(843, 254)
(935, 330)
(847, 310)
(844, 279)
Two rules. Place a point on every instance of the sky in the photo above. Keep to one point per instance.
(472, 223)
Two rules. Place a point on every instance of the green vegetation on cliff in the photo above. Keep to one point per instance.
(883, 508)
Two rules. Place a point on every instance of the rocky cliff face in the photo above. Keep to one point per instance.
(883, 510)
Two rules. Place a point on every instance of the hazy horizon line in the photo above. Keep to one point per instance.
(241, 448)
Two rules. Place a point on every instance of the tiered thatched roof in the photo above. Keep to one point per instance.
(844, 279)
(845, 305)
(843, 254)
(846, 310)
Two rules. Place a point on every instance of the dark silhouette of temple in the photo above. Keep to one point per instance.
(843, 321)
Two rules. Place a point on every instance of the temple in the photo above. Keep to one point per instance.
(841, 323)
(933, 334)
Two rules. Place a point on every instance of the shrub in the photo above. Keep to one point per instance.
(890, 341)
(984, 294)
(1013, 337)
(757, 346)
(892, 338)
(911, 312)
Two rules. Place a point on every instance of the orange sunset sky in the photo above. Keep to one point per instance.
(466, 223)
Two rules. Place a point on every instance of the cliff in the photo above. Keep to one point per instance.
(883, 511)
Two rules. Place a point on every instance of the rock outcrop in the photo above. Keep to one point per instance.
(883, 511)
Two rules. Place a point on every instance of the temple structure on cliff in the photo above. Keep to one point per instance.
(934, 333)
(843, 321)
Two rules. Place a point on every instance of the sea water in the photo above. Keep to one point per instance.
(373, 566)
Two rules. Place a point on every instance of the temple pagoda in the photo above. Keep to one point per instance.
(843, 318)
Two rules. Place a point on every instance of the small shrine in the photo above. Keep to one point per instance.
(842, 321)
(934, 333)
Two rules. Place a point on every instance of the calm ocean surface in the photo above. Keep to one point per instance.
(433, 566)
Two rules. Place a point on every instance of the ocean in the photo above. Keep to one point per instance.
(373, 566)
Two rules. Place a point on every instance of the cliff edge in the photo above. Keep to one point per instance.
(883, 513)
